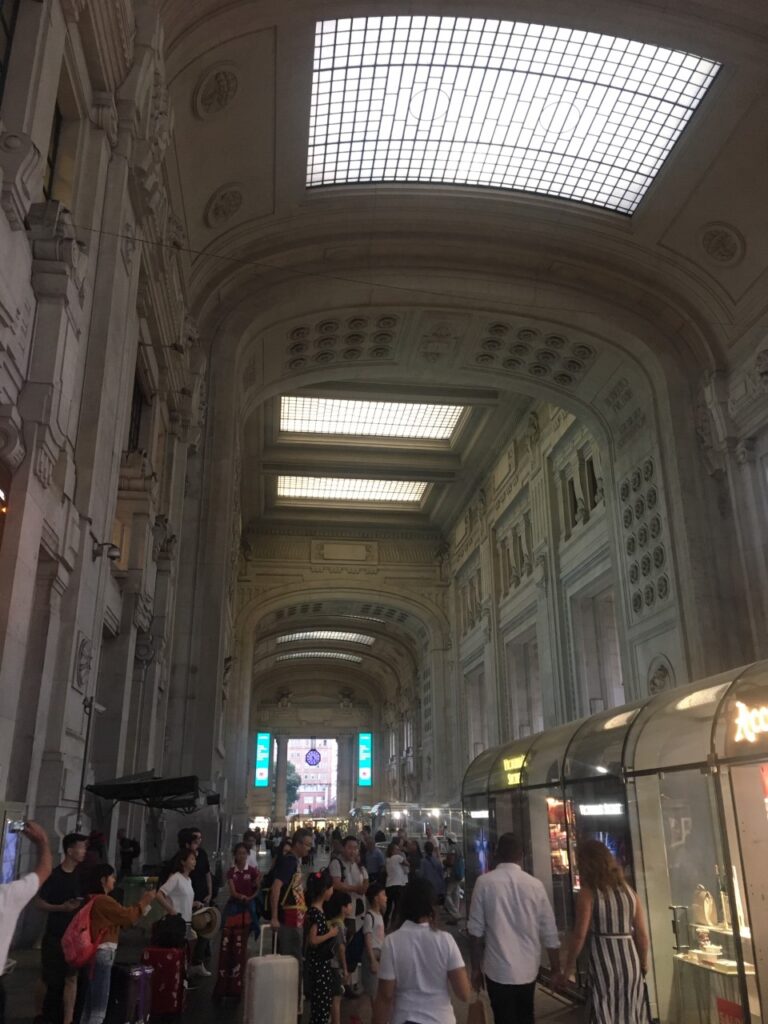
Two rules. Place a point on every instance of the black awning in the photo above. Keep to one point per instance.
(179, 794)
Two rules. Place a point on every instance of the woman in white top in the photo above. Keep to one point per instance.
(397, 877)
(176, 895)
(419, 965)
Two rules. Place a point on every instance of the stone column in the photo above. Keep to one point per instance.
(346, 766)
(281, 778)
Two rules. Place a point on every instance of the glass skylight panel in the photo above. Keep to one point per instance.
(329, 488)
(473, 101)
(337, 655)
(338, 635)
(304, 415)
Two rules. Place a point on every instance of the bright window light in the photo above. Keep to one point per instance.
(326, 634)
(338, 655)
(301, 415)
(329, 488)
(471, 101)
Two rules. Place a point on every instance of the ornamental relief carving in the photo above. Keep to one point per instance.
(223, 204)
(528, 350)
(368, 337)
(723, 243)
(645, 545)
(216, 89)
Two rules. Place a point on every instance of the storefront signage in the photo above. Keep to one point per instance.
(263, 744)
(600, 810)
(513, 767)
(480, 815)
(364, 759)
(750, 722)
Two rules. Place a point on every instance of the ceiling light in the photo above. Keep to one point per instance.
(337, 655)
(327, 488)
(302, 415)
(327, 634)
(473, 101)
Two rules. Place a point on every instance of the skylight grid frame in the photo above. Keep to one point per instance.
(351, 490)
(543, 109)
(417, 421)
(336, 655)
(335, 635)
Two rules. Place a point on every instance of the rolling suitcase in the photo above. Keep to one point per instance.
(233, 954)
(271, 994)
(129, 994)
(168, 981)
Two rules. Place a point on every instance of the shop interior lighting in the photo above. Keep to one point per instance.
(338, 635)
(336, 655)
(414, 420)
(328, 488)
(474, 101)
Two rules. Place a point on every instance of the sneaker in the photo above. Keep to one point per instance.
(198, 971)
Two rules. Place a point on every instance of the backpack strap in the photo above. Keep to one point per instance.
(341, 867)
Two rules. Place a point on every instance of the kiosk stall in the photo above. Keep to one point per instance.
(677, 788)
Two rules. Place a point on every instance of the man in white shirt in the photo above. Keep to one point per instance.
(510, 920)
(348, 876)
(14, 896)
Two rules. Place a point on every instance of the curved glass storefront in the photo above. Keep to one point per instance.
(677, 787)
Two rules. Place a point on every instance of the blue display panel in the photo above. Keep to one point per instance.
(263, 749)
(364, 759)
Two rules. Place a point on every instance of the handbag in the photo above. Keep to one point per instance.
(703, 907)
(480, 1010)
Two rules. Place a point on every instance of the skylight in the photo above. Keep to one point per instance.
(337, 655)
(330, 488)
(339, 635)
(302, 415)
(471, 101)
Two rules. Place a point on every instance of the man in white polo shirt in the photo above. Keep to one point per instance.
(14, 896)
(510, 921)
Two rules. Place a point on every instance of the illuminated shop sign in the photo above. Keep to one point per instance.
(263, 745)
(481, 815)
(600, 810)
(364, 759)
(750, 722)
(513, 767)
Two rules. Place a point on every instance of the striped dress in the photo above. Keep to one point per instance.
(617, 992)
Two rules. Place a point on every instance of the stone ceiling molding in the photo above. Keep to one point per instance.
(527, 349)
(723, 243)
(215, 90)
(361, 337)
(223, 204)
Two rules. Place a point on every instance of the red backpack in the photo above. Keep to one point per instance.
(77, 942)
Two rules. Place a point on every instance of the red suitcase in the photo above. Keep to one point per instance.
(168, 980)
(233, 954)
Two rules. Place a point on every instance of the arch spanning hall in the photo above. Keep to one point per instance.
(589, 527)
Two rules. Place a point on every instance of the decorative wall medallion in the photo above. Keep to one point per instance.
(223, 204)
(723, 243)
(84, 660)
(649, 526)
(327, 338)
(557, 358)
(215, 90)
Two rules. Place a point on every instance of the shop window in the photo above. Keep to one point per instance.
(53, 153)
(8, 12)
(5, 486)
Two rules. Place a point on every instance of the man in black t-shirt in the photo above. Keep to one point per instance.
(61, 896)
(286, 896)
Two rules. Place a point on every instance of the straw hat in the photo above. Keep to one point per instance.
(206, 922)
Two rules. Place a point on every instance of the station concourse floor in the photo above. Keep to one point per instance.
(202, 1009)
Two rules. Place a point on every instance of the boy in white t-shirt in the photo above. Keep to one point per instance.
(373, 932)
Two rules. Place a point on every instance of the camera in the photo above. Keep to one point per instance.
(16, 826)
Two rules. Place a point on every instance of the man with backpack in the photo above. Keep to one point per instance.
(14, 896)
(286, 895)
(349, 876)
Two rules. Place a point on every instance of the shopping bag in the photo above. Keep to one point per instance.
(480, 1010)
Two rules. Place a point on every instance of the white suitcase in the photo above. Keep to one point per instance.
(271, 993)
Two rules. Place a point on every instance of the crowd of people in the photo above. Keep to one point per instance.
(365, 926)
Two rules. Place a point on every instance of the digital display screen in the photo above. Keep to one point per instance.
(263, 751)
(10, 853)
(364, 759)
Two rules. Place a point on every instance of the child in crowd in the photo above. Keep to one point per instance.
(373, 931)
(319, 942)
(337, 910)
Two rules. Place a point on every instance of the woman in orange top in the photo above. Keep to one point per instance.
(107, 918)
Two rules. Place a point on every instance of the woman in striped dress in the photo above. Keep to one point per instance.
(609, 912)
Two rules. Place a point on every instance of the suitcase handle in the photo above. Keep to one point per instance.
(273, 933)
